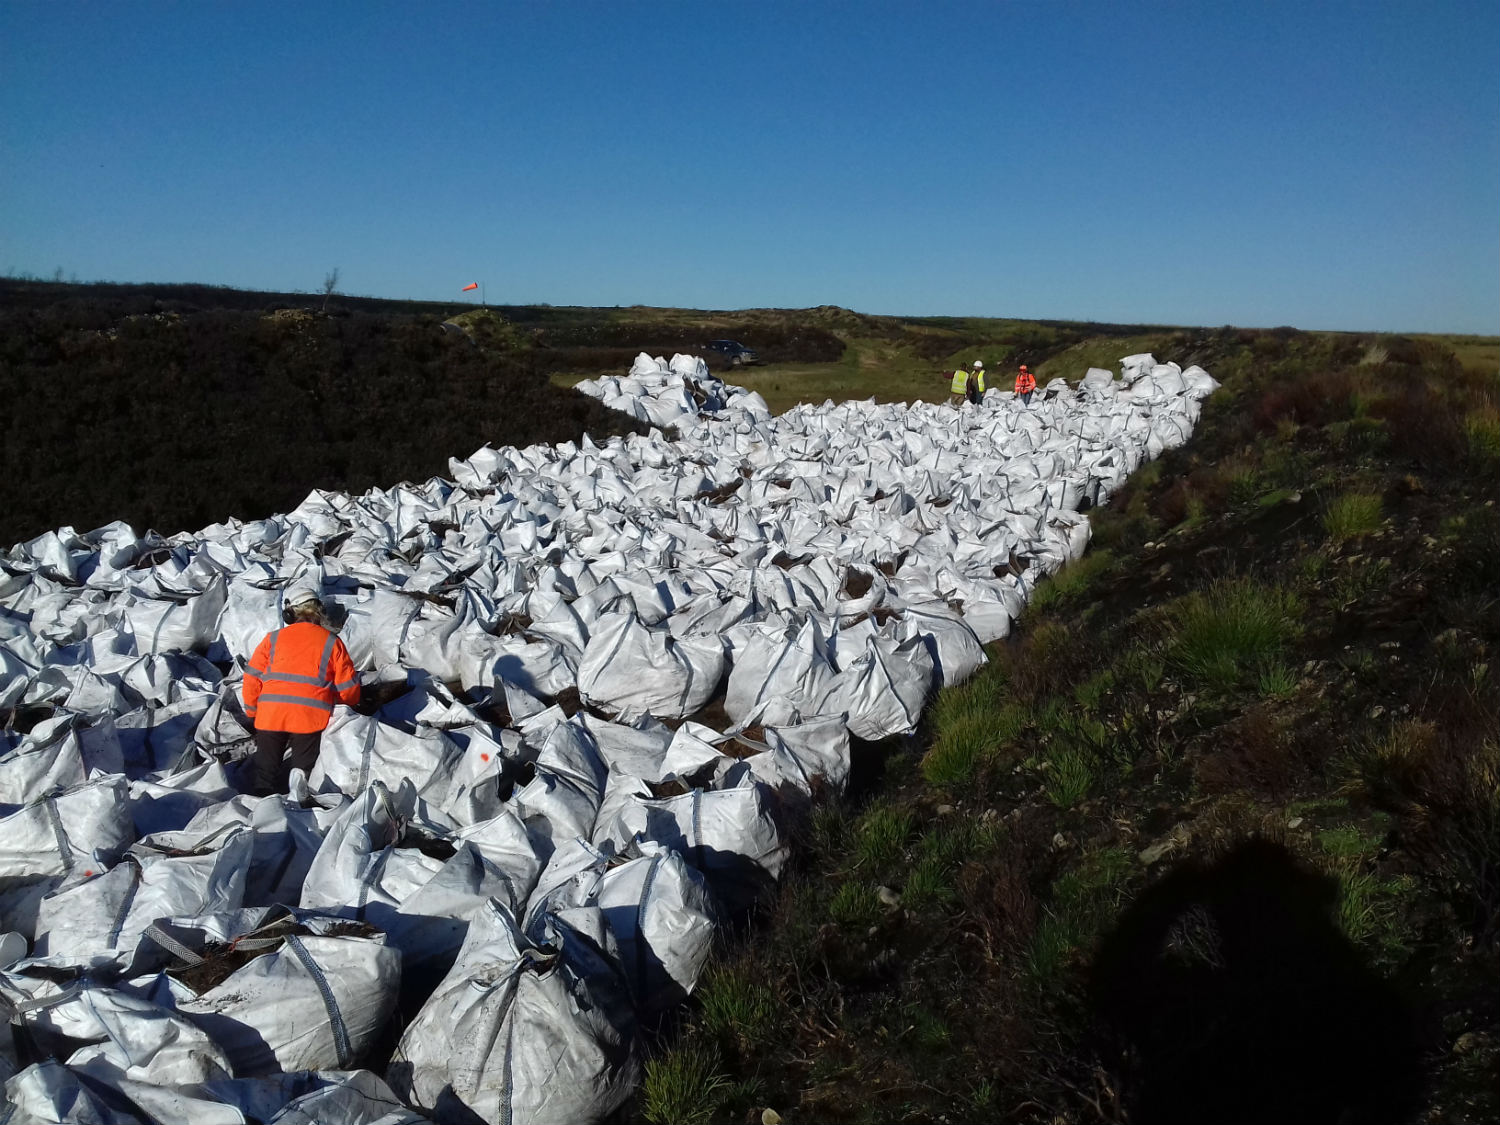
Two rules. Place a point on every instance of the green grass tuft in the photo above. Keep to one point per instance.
(1351, 515)
(1084, 899)
(1070, 775)
(1071, 582)
(684, 1086)
(971, 730)
(855, 906)
(1482, 429)
(880, 837)
(1223, 634)
(737, 1005)
(1277, 680)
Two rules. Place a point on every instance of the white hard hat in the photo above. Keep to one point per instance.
(299, 595)
(979, 363)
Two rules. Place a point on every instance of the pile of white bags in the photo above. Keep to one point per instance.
(602, 677)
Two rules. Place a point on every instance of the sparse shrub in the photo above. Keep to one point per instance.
(1084, 898)
(1482, 427)
(928, 1031)
(1366, 905)
(829, 829)
(1094, 690)
(1046, 657)
(1312, 567)
(1145, 665)
(683, 1086)
(961, 746)
(993, 883)
(1312, 399)
(1256, 753)
(941, 852)
(1361, 578)
(1350, 515)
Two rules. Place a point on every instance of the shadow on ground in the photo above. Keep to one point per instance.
(1232, 996)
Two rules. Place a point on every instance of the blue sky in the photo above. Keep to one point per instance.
(1325, 165)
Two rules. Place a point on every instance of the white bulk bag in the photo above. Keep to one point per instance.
(107, 915)
(63, 757)
(127, 1037)
(73, 835)
(659, 910)
(169, 803)
(375, 627)
(422, 901)
(355, 1098)
(48, 1092)
(192, 623)
(951, 642)
(635, 669)
(780, 674)
(314, 1002)
(730, 835)
(562, 799)
(812, 757)
(1198, 383)
(357, 749)
(524, 1033)
(538, 667)
(884, 688)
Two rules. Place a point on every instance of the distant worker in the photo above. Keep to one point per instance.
(294, 679)
(969, 383)
(1025, 384)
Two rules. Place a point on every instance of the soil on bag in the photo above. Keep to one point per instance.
(221, 961)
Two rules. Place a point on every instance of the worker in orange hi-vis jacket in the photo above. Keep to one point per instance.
(294, 680)
(1025, 384)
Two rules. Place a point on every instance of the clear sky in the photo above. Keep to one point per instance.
(1319, 164)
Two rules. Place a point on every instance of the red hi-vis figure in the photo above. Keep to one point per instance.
(294, 679)
(471, 285)
(1025, 384)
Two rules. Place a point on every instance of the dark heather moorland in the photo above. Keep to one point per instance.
(1215, 836)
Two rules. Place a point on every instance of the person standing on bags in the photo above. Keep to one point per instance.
(975, 386)
(964, 383)
(294, 679)
(1025, 384)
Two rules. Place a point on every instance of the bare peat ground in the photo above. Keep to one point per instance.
(1216, 835)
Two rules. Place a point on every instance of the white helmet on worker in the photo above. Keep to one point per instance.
(979, 365)
(301, 602)
(300, 594)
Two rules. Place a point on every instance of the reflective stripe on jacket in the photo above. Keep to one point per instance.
(296, 676)
(1025, 382)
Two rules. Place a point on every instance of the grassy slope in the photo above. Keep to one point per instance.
(1270, 681)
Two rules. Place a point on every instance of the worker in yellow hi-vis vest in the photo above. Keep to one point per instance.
(968, 383)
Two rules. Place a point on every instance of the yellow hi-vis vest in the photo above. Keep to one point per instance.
(961, 381)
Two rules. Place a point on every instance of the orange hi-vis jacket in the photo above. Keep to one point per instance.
(1025, 381)
(296, 676)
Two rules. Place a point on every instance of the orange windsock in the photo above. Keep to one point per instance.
(471, 285)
